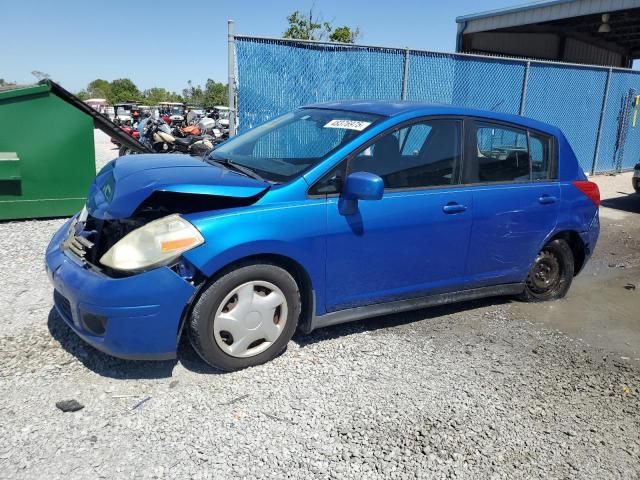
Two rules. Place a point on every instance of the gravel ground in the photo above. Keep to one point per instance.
(477, 390)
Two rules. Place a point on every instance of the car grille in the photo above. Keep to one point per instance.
(63, 305)
(79, 244)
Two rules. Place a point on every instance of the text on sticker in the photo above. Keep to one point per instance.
(348, 124)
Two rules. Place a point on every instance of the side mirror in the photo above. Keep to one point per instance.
(359, 186)
(363, 186)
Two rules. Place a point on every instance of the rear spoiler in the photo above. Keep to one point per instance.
(100, 121)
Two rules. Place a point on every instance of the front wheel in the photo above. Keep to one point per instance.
(245, 317)
(551, 274)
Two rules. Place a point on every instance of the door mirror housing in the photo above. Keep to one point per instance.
(359, 186)
(363, 186)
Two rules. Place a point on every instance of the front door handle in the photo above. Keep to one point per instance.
(547, 199)
(453, 207)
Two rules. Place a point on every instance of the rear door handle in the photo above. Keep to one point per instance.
(453, 207)
(546, 199)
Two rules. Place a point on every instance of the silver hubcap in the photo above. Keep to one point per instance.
(250, 318)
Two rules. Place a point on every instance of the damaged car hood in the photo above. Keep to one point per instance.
(126, 183)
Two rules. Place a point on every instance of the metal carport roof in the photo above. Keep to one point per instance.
(540, 30)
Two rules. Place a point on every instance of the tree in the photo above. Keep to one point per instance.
(99, 88)
(83, 95)
(123, 90)
(215, 94)
(212, 94)
(193, 94)
(306, 27)
(344, 34)
(155, 95)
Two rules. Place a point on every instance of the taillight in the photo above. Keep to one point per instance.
(590, 189)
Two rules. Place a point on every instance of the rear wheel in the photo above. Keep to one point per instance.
(245, 317)
(636, 184)
(551, 273)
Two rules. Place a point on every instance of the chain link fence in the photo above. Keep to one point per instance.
(592, 105)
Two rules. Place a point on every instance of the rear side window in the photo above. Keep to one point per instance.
(502, 155)
(540, 154)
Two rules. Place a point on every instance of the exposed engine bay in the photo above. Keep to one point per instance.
(89, 239)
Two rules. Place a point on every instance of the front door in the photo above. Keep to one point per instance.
(414, 240)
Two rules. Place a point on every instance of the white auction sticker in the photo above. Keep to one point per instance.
(348, 124)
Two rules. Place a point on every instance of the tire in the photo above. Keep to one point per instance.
(234, 324)
(551, 274)
(636, 184)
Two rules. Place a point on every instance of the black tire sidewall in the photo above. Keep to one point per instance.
(636, 184)
(206, 305)
(562, 251)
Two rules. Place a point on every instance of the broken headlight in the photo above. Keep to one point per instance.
(154, 244)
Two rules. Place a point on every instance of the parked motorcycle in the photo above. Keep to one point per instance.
(129, 131)
(157, 135)
(204, 126)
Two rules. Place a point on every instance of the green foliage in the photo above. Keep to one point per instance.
(212, 94)
(193, 94)
(123, 90)
(344, 34)
(99, 88)
(155, 95)
(215, 94)
(305, 27)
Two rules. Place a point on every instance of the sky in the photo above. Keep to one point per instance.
(165, 43)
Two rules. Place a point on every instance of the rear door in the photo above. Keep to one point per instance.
(511, 172)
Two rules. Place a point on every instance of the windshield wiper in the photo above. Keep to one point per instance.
(234, 166)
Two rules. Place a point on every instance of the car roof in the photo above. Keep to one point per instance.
(395, 108)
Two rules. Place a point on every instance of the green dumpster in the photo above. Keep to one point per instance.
(47, 157)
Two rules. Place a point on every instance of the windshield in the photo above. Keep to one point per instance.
(282, 148)
(176, 110)
(223, 114)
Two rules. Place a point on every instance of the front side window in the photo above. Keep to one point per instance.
(285, 147)
(422, 154)
(502, 155)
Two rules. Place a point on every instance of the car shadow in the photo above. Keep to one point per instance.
(108, 366)
(111, 367)
(395, 320)
(626, 202)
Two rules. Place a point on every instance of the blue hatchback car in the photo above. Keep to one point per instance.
(330, 213)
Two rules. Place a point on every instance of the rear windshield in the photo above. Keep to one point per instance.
(283, 148)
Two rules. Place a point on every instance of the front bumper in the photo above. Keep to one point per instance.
(141, 313)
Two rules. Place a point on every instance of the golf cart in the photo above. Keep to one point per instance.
(174, 110)
(124, 113)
